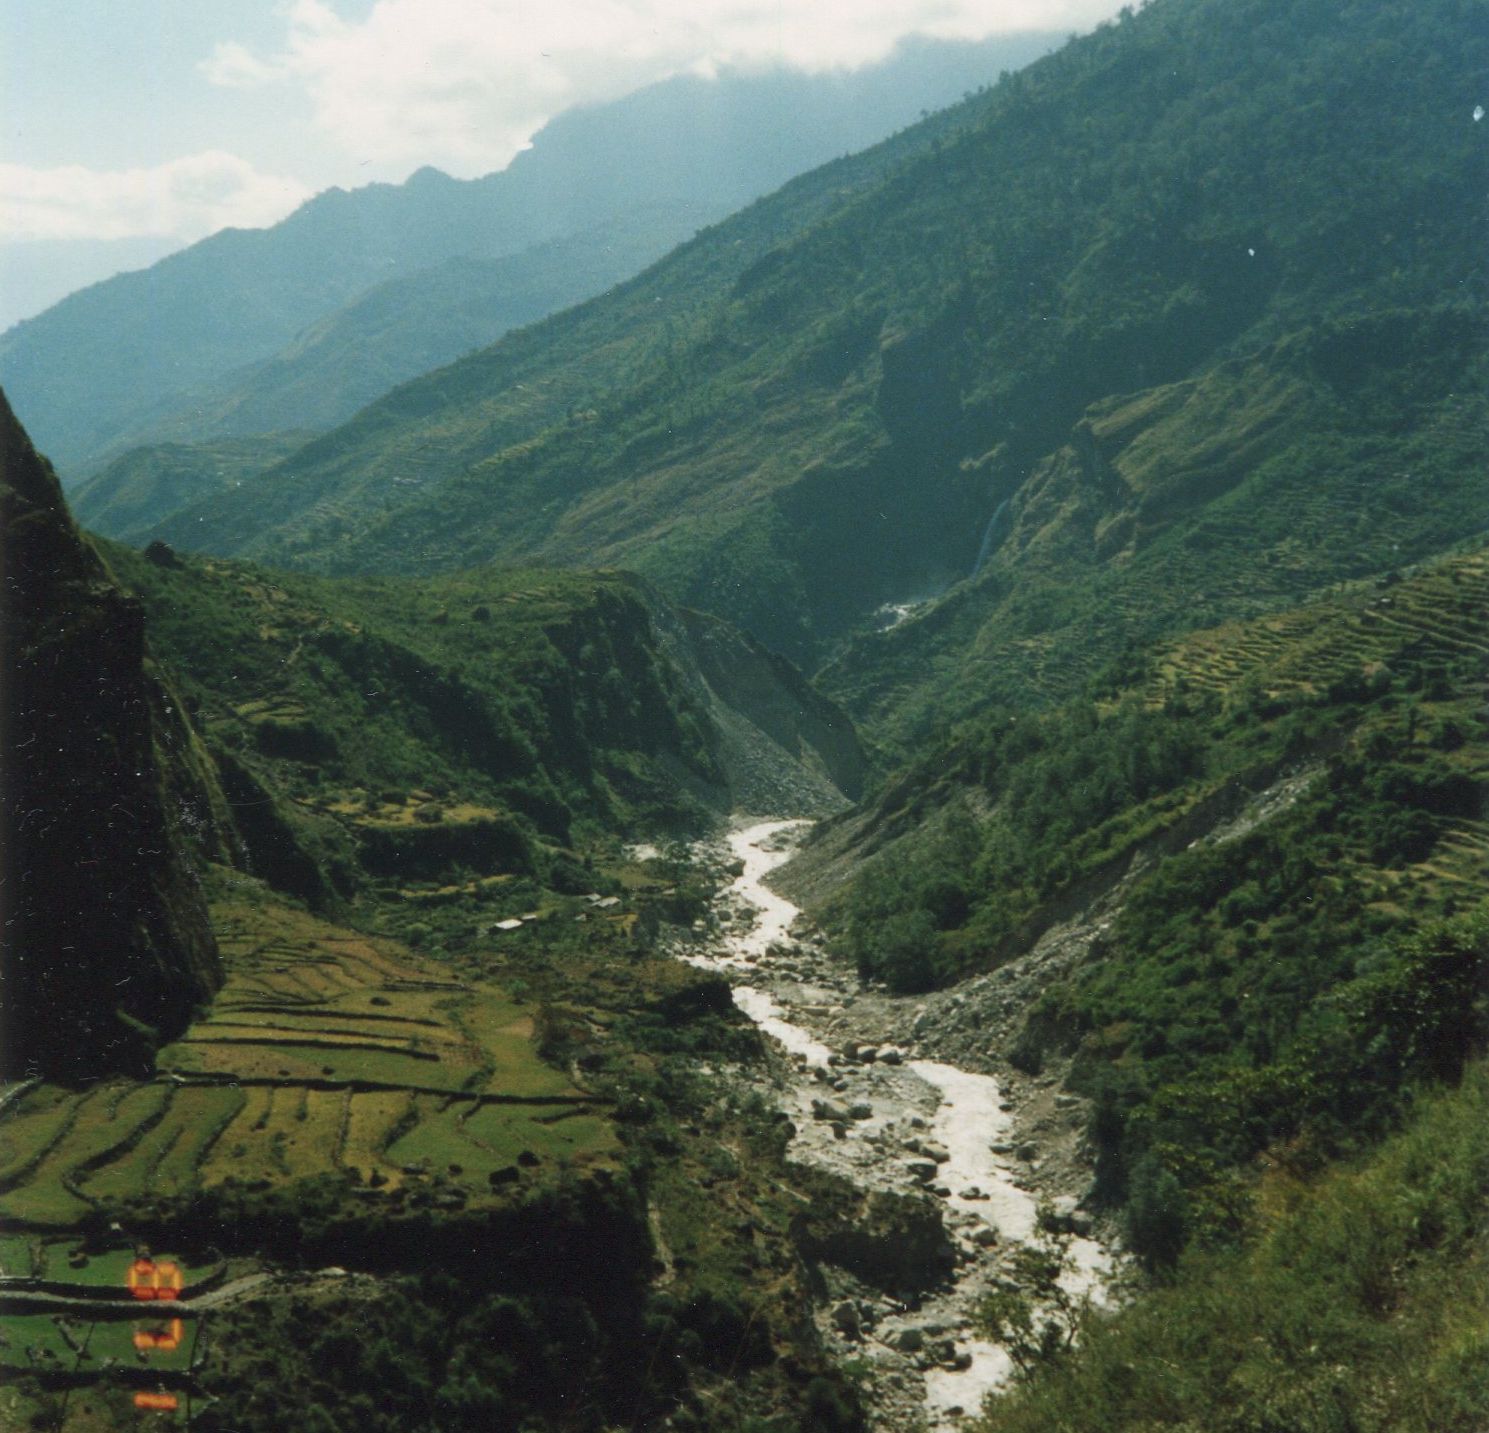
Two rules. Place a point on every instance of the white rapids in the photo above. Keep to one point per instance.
(969, 1118)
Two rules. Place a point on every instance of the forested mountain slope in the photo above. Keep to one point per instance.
(480, 723)
(1284, 198)
(195, 346)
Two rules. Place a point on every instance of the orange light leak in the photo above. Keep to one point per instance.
(161, 1402)
(146, 1279)
(165, 1342)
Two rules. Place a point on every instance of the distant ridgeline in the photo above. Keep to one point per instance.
(109, 803)
(1185, 319)
(295, 327)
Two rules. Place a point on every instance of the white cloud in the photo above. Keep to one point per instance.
(185, 198)
(465, 83)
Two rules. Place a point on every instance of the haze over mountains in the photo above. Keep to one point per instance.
(817, 407)
(170, 351)
(1112, 447)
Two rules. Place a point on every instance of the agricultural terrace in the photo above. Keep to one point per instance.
(324, 1053)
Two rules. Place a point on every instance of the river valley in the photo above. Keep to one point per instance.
(869, 1100)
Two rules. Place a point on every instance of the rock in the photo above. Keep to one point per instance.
(829, 1110)
(1029, 1152)
(972, 1191)
(921, 1170)
(935, 1151)
(910, 1340)
(847, 1321)
(941, 1191)
(985, 1237)
(860, 1112)
(1065, 1216)
(891, 1056)
(1067, 1102)
(1001, 1146)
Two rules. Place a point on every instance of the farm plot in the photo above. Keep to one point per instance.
(30, 1127)
(374, 1121)
(324, 1053)
(107, 1124)
(472, 1142)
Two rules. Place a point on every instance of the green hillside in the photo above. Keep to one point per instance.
(1256, 833)
(473, 725)
(794, 433)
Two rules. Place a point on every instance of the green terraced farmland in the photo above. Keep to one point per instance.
(325, 1052)
(108, 1123)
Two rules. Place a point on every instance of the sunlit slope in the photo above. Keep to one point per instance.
(832, 423)
(325, 1053)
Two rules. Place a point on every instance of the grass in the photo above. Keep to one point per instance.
(374, 1119)
(108, 1122)
(1360, 1302)
(311, 1015)
(30, 1127)
(449, 1138)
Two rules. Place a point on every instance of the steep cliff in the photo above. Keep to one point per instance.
(107, 946)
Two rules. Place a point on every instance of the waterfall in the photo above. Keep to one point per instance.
(992, 537)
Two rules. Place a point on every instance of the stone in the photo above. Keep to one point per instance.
(921, 1170)
(910, 1340)
(891, 1056)
(847, 1321)
(860, 1112)
(831, 1111)
(935, 1151)
(985, 1237)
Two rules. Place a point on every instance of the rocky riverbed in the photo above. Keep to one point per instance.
(900, 1096)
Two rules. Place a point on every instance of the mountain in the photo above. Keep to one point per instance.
(133, 359)
(1233, 904)
(110, 805)
(1194, 215)
(379, 729)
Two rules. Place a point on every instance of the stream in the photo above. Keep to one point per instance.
(886, 1118)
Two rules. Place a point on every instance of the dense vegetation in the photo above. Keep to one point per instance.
(480, 725)
(1286, 814)
(818, 406)
(1180, 329)
(1358, 1301)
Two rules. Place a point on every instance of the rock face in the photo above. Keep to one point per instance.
(778, 743)
(107, 947)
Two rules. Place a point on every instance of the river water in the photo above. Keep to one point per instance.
(967, 1117)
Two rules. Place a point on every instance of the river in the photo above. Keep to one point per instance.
(906, 1107)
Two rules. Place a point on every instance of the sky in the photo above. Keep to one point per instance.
(132, 127)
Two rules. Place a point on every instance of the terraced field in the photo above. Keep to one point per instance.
(1438, 612)
(324, 1053)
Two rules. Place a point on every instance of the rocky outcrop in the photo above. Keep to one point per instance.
(107, 947)
(779, 744)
